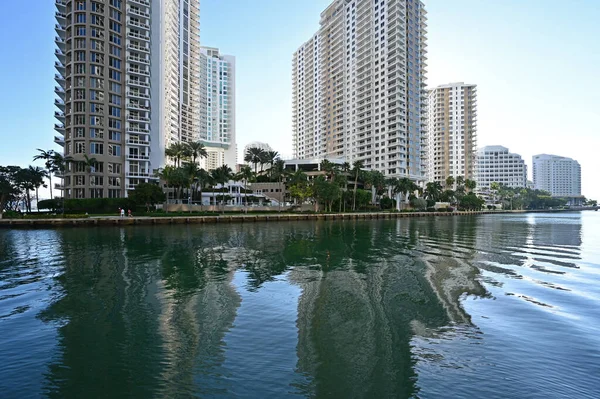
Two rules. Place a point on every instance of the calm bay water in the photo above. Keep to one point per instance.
(486, 306)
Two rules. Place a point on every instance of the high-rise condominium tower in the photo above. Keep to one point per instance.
(496, 165)
(359, 86)
(452, 132)
(127, 86)
(560, 176)
(217, 130)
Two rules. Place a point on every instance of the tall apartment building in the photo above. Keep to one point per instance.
(558, 175)
(127, 87)
(495, 164)
(359, 87)
(218, 108)
(452, 131)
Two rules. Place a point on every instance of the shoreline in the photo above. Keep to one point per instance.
(249, 218)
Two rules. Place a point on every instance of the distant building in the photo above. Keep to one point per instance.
(558, 175)
(452, 131)
(495, 164)
(217, 129)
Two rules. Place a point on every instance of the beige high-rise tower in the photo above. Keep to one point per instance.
(127, 88)
(452, 132)
(359, 87)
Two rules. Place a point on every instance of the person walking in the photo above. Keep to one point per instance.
(122, 212)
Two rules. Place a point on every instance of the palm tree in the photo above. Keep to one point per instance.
(221, 175)
(196, 150)
(356, 170)
(37, 175)
(191, 171)
(177, 152)
(449, 182)
(470, 184)
(433, 191)
(329, 168)
(245, 175)
(254, 155)
(48, 158)
(269, 158)
(278, 172)
(203, 179)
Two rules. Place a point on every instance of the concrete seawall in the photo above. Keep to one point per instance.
(116, 221)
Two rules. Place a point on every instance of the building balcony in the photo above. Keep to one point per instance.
(61, 5)
(60, 91)
(60, 116)
(140, 2)
(60, 55)
(138, 36)
(138, 157)
(59, 140)
(136, 71)
(60, 67)
(60, 43)
(61, 17)
(60, 128)
(59, 103)
(137, 12)
(139, 173)
(137, 82)
(139, 25)
(137, 118)
(138, 60)
(144, 49)
(137, 95)
(59, 186)
(143, 143)
(60, 29)
(137, 130)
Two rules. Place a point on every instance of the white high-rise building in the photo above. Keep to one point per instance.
(495, 164)
(175, 74)
(560, 176)
(359, 87)
(218, 109)
(452, 132)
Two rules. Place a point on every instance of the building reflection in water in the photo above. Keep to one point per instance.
(146, 311)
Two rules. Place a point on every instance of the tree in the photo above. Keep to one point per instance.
(471, 202)
(9, 187)
(470, 185)
(449, 182)
(191, 171)
(196, 150)
(30, 179)
(177, 152)
(433, 192)
(245, 175)
(297, 185)
(356, 171)
(329, 168)
(269, 158)
(38, 175)
(325, 191)
(173, 177)
(278, 172)
(147, 194)
(48, 158)
(254, 155)
(418, 203)
(221, 175)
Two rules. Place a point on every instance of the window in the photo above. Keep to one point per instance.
(114, 50)
(115, 26)
(80, 119)
(114, 136)
(114, 193)
(116, 4)
(114, 111)
(80, 31)
(114, 168)
(114, 99)
(115, 87)
(96, 134)
(115, 63)
(114, 181)
(79, 106)
(96, 180)
(114, 123)
(114, 14)
(79, 147)
(96, 192)
(80, 56)
(116, 39)
(80, 68)
(114, 150)
(115, 75)
(79, 132)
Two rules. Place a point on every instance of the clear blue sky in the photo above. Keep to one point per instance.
(536, 64)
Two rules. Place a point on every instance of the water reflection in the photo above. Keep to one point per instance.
(176, 311)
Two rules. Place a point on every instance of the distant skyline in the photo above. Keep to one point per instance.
(535, 64)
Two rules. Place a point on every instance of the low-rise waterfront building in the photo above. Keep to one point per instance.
(495, 164)
(560, 176)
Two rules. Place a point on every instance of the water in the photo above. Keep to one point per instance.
(487, 306)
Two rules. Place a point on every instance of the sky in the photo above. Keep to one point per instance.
(536, 64)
